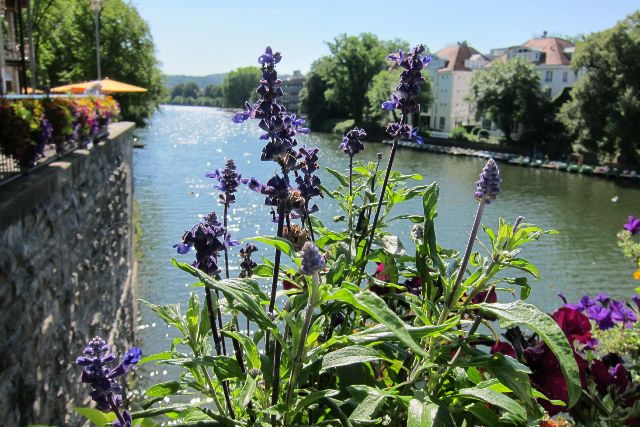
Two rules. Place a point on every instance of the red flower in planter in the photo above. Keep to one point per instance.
(504, 348)
(547, 377)
(575, 325)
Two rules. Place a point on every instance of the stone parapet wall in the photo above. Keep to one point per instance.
(67, 273)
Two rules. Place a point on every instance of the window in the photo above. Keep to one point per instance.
(486, 124)
(548, 76)
(547, 93)
(565, 77)
(442, 123)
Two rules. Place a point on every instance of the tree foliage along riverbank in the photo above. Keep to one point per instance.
(65, 48)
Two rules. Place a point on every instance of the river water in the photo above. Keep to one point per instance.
(183, 143)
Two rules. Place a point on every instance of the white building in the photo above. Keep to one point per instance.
(552, 58)
(452, 68)
(291, 86)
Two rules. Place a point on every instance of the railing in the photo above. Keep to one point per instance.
(10, 170)
(19, 156)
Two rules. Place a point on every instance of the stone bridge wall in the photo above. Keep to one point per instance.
(67, 273)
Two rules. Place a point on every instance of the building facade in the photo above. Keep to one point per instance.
(453, 67)
(14, 45)
(291, 86)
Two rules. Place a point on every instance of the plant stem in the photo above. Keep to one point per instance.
(216, 340)
(376, 217)
(299, 357)
(214, 396)
(276, 261)
(115, 410)
(275, 389)
(463, 265)
(308, 217)
(226, 255)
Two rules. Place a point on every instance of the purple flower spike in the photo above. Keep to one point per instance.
(488, 187)
(312, 259)
(208, 238)
(95, 360)
(632, 225)
(352, 141)
(228, 180)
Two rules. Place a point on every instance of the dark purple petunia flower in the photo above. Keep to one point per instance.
(620, 313)
(504, 348)
(407, 90)
(607, 376)
(583, 305)
(106, 392)
(632, 225)
(352, 141)
(208, 238)
(636, 300)
(488, 186)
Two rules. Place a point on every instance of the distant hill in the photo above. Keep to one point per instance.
(201, 81)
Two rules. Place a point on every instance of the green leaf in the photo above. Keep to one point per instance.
(98, 418)
(310, 399)
(253, 356)
(224, 367)
(350, 355)
(524, 265)
(263, 270)
(520, 313)
(344, 180)
(155, 357)
(496, 399)
(377, 308)
(428, 415)
(367, 408)
(247, 391)
(486, 416)
(170, 313)
(192, 318)
(336, 270)
(163, 389)
(164, 410)
(243, 294)
(285, 246)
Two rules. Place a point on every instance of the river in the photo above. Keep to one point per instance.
(183, 143)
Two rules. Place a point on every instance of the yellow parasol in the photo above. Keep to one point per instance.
(105, 85)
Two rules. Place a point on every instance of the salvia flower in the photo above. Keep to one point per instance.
(488, 186)
(632, 225)
(247, 265)
(279, 128)
(312, 260)
(407, 90)
(228, 179)
(208, 238)
(308, 183)
(106, 392)
(352, 141)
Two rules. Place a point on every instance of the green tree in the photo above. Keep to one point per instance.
(313, 102)
(213, 91)
(604, 111)
(240, 85)
(382, 87)
(64, 39)
(350, 69)
(509, 93)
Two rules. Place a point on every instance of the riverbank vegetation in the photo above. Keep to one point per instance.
(351, 325)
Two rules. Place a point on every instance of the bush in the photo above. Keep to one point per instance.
(343, 126)
(459, 133)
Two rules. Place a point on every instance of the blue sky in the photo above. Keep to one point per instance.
(200, 37)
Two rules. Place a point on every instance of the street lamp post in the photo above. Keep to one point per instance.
(2, 84)
(95, 7)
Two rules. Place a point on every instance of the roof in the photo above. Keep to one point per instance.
(455, 56)
(554, 49)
